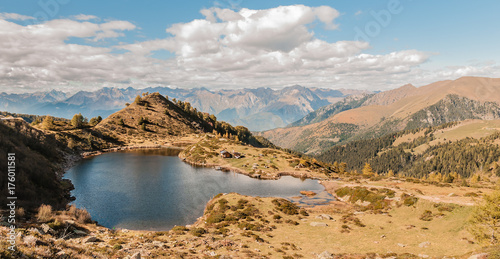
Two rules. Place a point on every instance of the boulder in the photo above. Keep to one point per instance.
(479, 256)
(325, 255)
(33, 241)
(318, 224)
(46, 229)
(79, 232)
(424, 244)
(324, 216)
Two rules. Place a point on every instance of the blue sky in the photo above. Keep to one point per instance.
(423, 41)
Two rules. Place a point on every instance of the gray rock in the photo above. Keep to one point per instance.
(46, 229)
(318, 224)
(136, 256)
(479, 256)
(79, 232)
(324, 216)
(325, 255)
(30, 240)
(33, 241)
(424, 244)
(401, 245)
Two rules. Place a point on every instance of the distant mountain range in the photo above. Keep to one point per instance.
(407, 107)
(258, 109)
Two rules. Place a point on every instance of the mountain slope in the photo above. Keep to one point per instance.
(323, 113)
(398, 110)
(463, 148)
(37, 170)
(258, 109)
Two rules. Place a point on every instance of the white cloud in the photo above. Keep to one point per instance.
(110, 29)
(246, 48)
(327, 14)
(85, 17)
(15, 16)
(358, 13)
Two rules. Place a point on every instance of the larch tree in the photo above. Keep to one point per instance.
(367, 170)
(77, 121)
(485, 220)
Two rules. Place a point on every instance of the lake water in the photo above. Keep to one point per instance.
(155, 190)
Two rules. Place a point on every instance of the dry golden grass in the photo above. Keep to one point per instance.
(265, 162)
(44, 213)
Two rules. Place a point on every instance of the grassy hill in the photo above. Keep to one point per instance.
(156, 119)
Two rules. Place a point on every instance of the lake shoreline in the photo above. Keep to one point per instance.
(107, 178)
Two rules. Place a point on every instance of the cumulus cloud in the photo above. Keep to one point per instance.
(246, 48)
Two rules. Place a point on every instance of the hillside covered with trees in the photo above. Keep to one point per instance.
(424, 155)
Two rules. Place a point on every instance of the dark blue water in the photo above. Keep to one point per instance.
(148, 190)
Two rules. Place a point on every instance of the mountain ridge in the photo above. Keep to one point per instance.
(256, 108)
(376, 119)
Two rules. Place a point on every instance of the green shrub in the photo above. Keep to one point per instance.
(390, 193)
(198, 232)
(180, 228)
(249, 226)
(291, 222)
(216, 217)
(471, 194)
(221, 231)
(445, 207)
(56, 225)
(286, 206)
(408, 200)
(426, 216)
